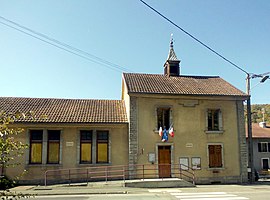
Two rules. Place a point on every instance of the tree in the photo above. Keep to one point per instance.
(260, 112)
(10, 147)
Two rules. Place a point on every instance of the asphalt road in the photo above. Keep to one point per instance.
(146, 196)
(208, 192)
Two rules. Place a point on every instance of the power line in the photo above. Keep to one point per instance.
(193, 37)
(63, 46)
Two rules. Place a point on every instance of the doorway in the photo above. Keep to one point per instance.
(164, 161)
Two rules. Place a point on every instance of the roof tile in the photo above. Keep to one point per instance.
(67, 110)
(181, 85)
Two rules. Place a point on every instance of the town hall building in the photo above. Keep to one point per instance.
(168, 121)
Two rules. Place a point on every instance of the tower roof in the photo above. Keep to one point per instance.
(172, 56)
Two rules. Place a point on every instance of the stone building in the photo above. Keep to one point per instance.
(206, 115)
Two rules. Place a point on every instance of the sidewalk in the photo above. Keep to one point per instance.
(110, 187)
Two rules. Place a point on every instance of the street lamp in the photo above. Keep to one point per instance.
(263, 77)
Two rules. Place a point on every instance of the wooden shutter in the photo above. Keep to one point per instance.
(215, 156)
(206, 120)
(220, 125)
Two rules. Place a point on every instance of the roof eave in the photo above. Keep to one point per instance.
(242, 97)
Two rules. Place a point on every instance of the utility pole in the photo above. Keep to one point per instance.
(249, 129)
(263, 77)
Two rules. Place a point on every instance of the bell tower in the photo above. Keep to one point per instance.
(171, 66)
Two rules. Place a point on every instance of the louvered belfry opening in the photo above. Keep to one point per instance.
(171, 68)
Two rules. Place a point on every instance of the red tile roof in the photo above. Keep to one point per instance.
(259, 132)
(181, 85)
(67, 110)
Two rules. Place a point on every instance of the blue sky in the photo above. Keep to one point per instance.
(127, 33)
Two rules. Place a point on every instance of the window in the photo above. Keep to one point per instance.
(163, 118)
(263, 147)
(94, 147)
(214, 120)
(215, 156)
(265, 163)
(53, 147)
(86, 147)
(36, 137)
(45, 147)
(102, 146)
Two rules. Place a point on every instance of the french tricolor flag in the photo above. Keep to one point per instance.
(160, 132)
(171, 133)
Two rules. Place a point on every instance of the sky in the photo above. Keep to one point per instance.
(126, 36)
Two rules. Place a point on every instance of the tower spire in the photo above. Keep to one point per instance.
(171, 42)
(171, 66)
(171, 55)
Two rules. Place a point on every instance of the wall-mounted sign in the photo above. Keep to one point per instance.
(69, 144)
(196, 163)
(189, 145)
(183, 161)
(152, 158)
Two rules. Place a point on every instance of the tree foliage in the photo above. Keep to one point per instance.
(260, 111)
(10, 147)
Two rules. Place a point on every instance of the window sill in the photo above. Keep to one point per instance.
(214, 132)
(43, 165)
(216, 169)
(93, 164)
(157, 131)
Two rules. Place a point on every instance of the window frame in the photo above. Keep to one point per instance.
(37, 141)
(164, 109)
(86, 141)
(102, 141)
(219, 120)
(263, 146)
(53, 141)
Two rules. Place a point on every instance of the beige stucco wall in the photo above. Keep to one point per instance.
(191, 140)
(126, 98)
(69, 153)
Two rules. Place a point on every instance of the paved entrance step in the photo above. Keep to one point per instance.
(159, 183)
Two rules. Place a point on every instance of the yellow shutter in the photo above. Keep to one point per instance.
(53, 152)
(36, 153)
(86, 152)
(102, 152)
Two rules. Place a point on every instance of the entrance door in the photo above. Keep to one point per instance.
(164, 161)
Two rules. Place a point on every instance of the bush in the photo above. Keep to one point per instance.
(6, 183)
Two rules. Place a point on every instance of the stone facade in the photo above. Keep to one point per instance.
(133, 136)
(242, 141)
